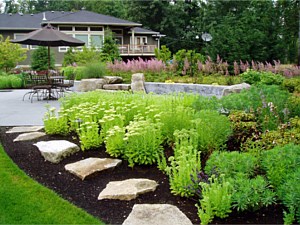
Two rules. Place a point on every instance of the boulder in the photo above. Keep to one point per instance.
(113, 79)
(235, 88)
(55, 151)
(117, 87)
(86, 167)
(29, 136)
(90, 84)
(156, 214)
(127, 189)
(137, 82)
(24, 129)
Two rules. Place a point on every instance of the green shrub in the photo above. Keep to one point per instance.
(232, 164)
(256, 77)
(142, 142)
(94, 70)
(281, 165)
(5, 82)
(244, 127)
(267, 102)
(285, 134)
(68, 71)
(39, 59)
(213, 130)
(292, 84)
(55, 124)
(89, 135)
(251, 194)
(114, 141)
(217, 199)
(185, 163)
(16, 81)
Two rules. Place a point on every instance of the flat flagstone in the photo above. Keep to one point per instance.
(25, 129)
(156, 214)
(86, 167)
(127, 189)
(55, 151)
(29, 136)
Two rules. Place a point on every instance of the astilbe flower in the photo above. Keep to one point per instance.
(236, 68)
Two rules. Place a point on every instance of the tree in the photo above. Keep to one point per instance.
(163, 54)
(39, 59)
(10, 54)
(110, 51)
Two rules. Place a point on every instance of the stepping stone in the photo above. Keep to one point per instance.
(127, 189)
(156, 214)
(29, 136)
(86, 167)
(24, 129)
(55, 151)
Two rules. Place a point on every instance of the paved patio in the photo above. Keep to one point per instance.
(15, 112)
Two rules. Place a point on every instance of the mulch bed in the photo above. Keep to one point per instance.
(84, 194)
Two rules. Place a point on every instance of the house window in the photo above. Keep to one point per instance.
(65, 28)
(97, 41)
(119, 40)
(81, 28)
(117, 31)
(96, 28)
(16, 36)
(139, 40)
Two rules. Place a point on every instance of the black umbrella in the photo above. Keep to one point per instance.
(48, 36)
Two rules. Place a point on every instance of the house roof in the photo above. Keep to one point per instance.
(140, 30)
(34, 21)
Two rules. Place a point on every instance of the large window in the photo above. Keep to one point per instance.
(139, 40)
(91, 36)
(17, 36)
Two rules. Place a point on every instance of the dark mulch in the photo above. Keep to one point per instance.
(84, 193)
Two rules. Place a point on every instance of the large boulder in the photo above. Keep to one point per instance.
(137, 82)
(156, 214)
(235, 88)
(113, 79)
(29, 136)
(86, 167)
(55, 151)
(117, 87)
(127, 189)
(91, 84)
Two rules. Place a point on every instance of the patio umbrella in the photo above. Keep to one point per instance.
(50, 37)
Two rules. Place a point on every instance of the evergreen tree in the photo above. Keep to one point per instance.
(39, 59)
(110, 51)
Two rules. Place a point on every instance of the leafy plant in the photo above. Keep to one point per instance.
(39, 59)
(163, 54)
(89, 135)
(184, 164)
(231, 164)
(257, 77)
(93, 70)
(212, 128)
(114, 141)
(10, 54)
(110, 51)
(55, 124)
(142, 142)
(251, 193)
(217, 199)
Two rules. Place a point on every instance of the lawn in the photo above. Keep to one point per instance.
(24, 201)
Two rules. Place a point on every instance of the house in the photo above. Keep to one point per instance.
(133, 40)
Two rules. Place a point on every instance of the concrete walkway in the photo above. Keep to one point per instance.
(15, 112)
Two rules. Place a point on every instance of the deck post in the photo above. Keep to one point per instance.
(132, 36)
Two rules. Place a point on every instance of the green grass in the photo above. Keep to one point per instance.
(24, 201)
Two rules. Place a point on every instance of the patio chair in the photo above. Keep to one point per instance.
(67, 85)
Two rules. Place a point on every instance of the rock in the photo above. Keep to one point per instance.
(29, 136)
(113, 79)
(55, 151)
(137, 82)
(90, 84)
(156, 214)
(235, 88)
(121, 87)
(25, 129)
(127, 189)
(86, 167)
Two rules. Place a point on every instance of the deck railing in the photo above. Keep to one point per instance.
(137, 49)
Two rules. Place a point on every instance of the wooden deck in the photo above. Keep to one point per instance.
(130, 50)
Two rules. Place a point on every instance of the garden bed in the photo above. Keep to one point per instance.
(84, 193)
